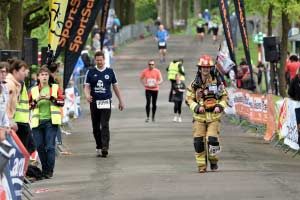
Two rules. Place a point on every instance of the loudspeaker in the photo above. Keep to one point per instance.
(44, 55)
(272, 49)
(8, 54)
(30, 51)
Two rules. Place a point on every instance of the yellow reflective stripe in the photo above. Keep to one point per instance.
(55, 112)
(22, 110)
(23, 101)
(193, 106)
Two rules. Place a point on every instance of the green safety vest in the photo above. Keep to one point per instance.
(173, 70)
(22, 107)
(56, 115)
(200, 23)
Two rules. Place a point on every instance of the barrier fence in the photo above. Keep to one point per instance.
(277, 119)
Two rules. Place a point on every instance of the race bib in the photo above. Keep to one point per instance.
(151, 82)
(103, 104)
(162, 43)
(213, 88)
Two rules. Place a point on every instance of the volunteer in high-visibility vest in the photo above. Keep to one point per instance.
(45, 100)
(207, 98)
(175, 67)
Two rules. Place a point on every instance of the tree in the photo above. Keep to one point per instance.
(197, 9)
(170, 14)
(4, 7)
(35, 14)
(185, 10)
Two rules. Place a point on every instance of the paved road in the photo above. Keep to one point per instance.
(155, 161)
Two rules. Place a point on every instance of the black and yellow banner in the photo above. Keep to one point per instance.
(78, 22)
(225, 16)
(240, 13)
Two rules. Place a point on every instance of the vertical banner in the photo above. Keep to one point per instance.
(104, 16)
(57, 13)
(79, 21)
(224, 12)
(240, 13)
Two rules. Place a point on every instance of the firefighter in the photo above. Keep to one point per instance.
(206, 97)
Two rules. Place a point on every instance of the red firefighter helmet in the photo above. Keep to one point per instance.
(205, 61)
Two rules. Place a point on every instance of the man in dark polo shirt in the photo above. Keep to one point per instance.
(98, 82)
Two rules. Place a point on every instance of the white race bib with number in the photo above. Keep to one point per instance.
(151, 82)
(162, 43)
(213, 88)
(103, 104)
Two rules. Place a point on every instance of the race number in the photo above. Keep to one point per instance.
(161, 44)
(151, 82)
(103, 104)
(213, 88)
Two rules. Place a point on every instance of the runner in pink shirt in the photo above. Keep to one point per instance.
(151, 79)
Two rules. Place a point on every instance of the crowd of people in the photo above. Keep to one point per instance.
(33, 113)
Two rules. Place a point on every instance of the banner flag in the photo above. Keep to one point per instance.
(240, 13)
(225, 16)
(79, 21)
(57, 13)
(104, 17)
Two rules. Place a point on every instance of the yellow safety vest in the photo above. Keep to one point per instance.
(56, 115)
(22, 107)
(173, 70)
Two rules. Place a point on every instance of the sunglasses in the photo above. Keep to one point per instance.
(151, 64)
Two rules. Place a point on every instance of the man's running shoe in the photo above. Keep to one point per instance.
(153, 119)
(147, 120)
(104, 153)
(214, 167)
(98, 152)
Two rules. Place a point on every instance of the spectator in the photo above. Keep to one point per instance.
(46, 100)
(4, 121)
(16, 75)
(292, 66)
(96, 42)
(86, 58)
(294, 88)
(33, 81)
(116, 24)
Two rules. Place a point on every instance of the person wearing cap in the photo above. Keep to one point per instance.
(207, 98)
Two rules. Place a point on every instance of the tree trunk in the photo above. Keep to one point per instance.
(163, 4)
(131, 12)
(15, 16)
(119, 8)
(3, 24)
(158, 8)
(177, 9)
(270, 15)
(185, 10)
(196, 7)
(283, 52)
(170, 17)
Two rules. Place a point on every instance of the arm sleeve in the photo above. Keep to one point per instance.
(191, 99)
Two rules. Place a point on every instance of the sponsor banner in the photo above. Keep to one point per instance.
(256, 108)
(230, 109)
(79, 21)
(15, 170)
(289, 127)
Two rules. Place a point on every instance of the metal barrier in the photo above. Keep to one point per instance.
(133, 31)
